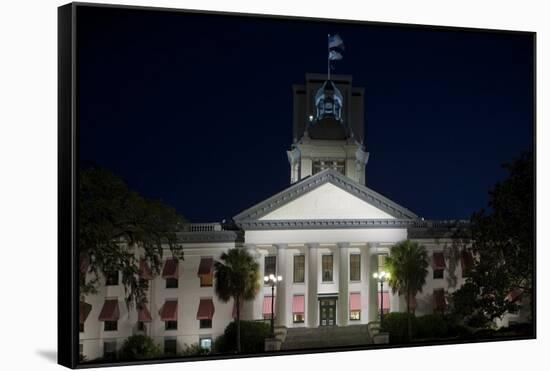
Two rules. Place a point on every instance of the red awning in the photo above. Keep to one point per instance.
(205, 267)
(84, 264)
(234, 313)
(206, 309)
(267, 305)
(354, 301)
(169, 311)
(439, 300)
(438, 260)
(85, 309)
(143, 314)
(385, 301)
(145, 272)
(171, 269)
(298, 304)
(466, 260)
(412, 302)
(514, 295)
(110, 311)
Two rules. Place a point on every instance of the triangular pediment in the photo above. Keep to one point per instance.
(327, 195)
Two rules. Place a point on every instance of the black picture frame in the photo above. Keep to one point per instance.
(68, 224)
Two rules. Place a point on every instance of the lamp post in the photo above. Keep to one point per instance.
(381, 277)
(272, 280)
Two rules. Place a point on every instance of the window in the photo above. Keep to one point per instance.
(322, 164)
(206, 272)
(438, 265)
(440, 302)
(109, 349)
(172, 283)
(355, 306)
(355, 267)
(206, 343)
(269, 303)
(298, 308)
(170, 346)
(141, 326)
(206, 280)
(382, 262)
(81, 350)
(81, 327)
(111, 278)
(327, 268)
(270, 265)
(110, 326)
(299, 268)
(170, 325)
(205, 323)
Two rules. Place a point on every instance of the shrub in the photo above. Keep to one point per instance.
(194, 350)
(396, 325)
(431, 326)
(139, 347)
(253, 335)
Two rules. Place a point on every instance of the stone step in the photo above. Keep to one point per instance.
(322, 337)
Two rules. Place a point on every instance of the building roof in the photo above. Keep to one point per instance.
(250, 218)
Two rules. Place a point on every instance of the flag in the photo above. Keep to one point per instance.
(335, 41)
(333, 55)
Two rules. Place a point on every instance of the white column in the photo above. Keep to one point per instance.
(365, 278)
(280, 291)
(372, 284)
(343, 283)
(312, 282)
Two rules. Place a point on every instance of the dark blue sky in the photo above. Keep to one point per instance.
(197, 109)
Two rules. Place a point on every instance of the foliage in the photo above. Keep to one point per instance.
(502, 243)
(432, 326)
(407, 266)
(139, 347)
(397, 325)
(253, 337)
(194, 350)
(237, 277)
(114, 221)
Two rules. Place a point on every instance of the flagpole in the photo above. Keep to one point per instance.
(328, 57)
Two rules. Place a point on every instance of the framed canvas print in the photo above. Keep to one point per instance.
(235, 185)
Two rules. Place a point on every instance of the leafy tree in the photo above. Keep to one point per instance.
(139, 347)
(502, 242)
(115, 221)
(253, 337)
(238, 278)
(407, 265)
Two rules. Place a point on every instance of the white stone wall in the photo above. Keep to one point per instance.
(188, 295)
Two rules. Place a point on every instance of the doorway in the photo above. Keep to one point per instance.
(327, 309)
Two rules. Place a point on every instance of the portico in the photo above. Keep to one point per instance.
(326, 261)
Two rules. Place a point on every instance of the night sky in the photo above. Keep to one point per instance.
(196, 110)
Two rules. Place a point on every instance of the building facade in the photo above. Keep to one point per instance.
(325, 235)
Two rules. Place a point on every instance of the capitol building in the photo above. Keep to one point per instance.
(325, 235)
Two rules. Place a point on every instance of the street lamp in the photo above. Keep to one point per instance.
(272, 280)
(381, 277)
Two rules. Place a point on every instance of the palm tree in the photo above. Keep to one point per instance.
(407, 265)
(238, 277)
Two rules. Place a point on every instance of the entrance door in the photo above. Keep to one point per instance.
(327, 308)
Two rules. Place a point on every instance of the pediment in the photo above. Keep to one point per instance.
(327, 202)
(327, 195)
